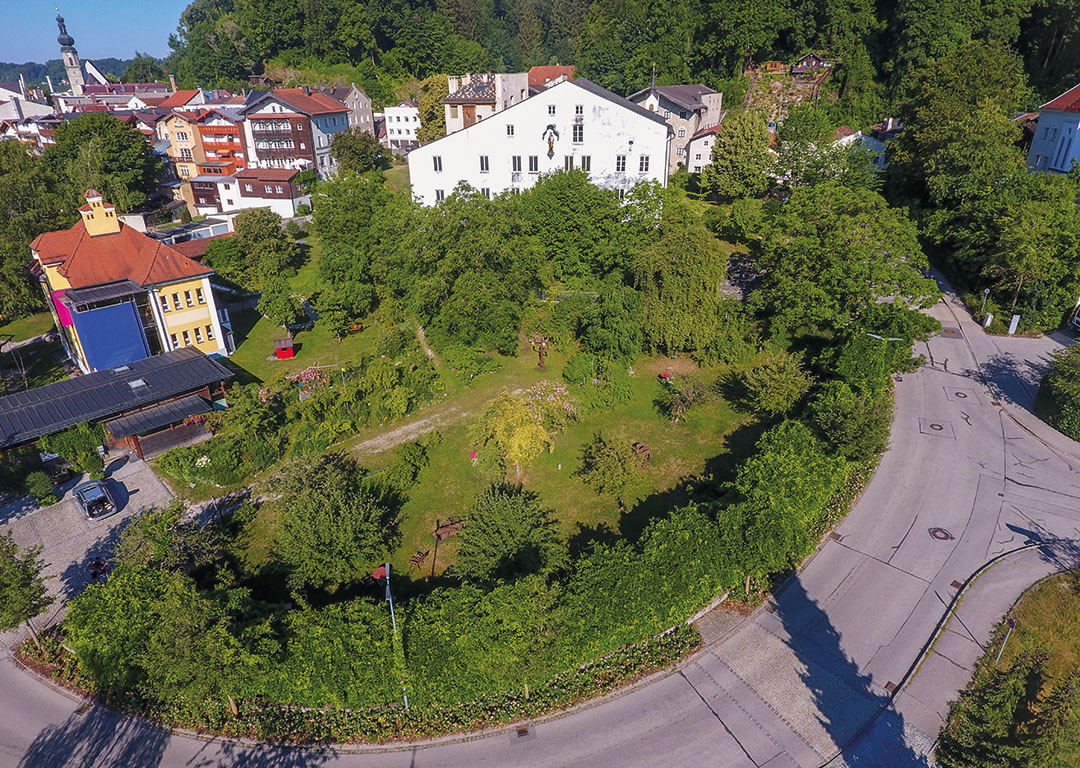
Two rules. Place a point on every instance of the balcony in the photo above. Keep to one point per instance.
(270, 131)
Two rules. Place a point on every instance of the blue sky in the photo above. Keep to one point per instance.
(100, 28)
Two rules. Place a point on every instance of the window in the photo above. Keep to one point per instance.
(679, 151)
(682, 133)
(515, 163)
(620, 163)
(187, 338)
(172, 338)
(534, 164)
(453, 111)
(267, 189)
(568, 162)
(579, 109)
(279, 189)
(579, 133)
(187, 299)
(198, 335)
(185, 154)
(697, 156)
(667, 114)
(247, 187)
(483, 163)
(181, 136)
(486, 192)
(299, 126)
(683, 114)
(551, 109)
(643, 164)
(586, 162)
(176, 301)
(509, 130)
(436, 161)
(183, 170)
(302, 145)
(199, 295)
(209, 333)
(439, 195)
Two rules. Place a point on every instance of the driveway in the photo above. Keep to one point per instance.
(69, 541)
(825, 673)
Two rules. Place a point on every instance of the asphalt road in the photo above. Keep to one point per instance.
(806, 680)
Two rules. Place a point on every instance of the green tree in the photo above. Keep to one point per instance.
(508, 535)
(508, 430)
(857, 425)
(741, 161)
(832, 252)
(359, 151)
(265, 249)
(777, 385)
(433, 90)
(334, 313)
(23, 594)
(609, 467)
(331, 529)
(98, 151)
(1054, 736)
(679, 277)
(144, 68)
(277, 302)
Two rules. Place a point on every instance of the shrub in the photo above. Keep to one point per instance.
(1058, 401)
(775, 386)
(469, 363)
(682, 394)
(295, 231)
(303, 209)
(40, 486)
(857, 425)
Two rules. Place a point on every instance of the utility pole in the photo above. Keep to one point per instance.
(1012, 623)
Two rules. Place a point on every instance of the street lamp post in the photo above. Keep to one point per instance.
(393, 623)
(986, 294)
(1012, 623)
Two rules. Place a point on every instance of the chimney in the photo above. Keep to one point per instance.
(22, 85)
(18, 107)
(306, 90)
(49, 81)
(172, 83)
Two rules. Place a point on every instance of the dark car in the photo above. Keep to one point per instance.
(95, 500)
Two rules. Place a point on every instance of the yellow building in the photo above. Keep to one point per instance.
(185, 151)
(118, 295)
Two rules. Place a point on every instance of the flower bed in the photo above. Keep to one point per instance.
(269, 721)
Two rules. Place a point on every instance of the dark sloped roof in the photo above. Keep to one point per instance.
(162, 415)
(686, 96)
(26, 416)
(478, 89)
(103, 292)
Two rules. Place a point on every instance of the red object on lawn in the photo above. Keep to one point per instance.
(283, 348)
(379, 573)
(472, 454)
(665, 374)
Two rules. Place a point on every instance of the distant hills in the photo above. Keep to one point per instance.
(35, 73)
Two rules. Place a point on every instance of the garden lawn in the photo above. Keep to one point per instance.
(1048, 615)
(397, 178)
(41, 361)
(27, 327)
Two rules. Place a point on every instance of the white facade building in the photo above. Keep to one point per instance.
(574, 124)
(1056, 144)
(402, 124)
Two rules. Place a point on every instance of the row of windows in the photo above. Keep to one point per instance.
(187, 336)
(577, 133)
(405, 119)
(187, 300)
(534, 163)
(1047, 135)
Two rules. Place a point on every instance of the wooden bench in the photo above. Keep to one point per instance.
(450, 528)
(642, 451)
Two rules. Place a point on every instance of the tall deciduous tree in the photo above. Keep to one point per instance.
(359, 151)
(144, 68)
(433, 90)
(832, 252)
(775, 386)
(741, 162)
(609, 467)
(277, 302)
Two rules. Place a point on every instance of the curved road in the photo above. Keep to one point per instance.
(824, 674)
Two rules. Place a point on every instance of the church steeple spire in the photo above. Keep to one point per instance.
(70, 56)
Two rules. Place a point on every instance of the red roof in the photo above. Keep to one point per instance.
(196, 249)
(1067, 102)
(842, 132)
(540, 76)
(313, 103)
(127, 254)
(179, 99)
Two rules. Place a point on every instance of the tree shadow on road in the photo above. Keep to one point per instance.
(226, 754)
(857, 716)
(1014, 378)
(98, 738)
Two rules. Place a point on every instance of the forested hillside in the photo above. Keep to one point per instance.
(35, 73)
(616, 43)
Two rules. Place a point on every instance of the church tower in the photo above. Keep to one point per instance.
(71, 58)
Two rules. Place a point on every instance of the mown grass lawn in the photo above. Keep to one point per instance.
(41, 362)
(397, 177)
(27, 327)
(1048, 616)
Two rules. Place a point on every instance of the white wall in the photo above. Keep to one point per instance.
(402, 122)
(610, 130)
(1057, 142)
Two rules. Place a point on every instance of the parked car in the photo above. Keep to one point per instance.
(95, 500)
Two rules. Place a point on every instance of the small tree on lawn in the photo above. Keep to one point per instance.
(777, 384)
(334, 314)
(277, 302)
(609, 466)
(359, 151)
(508, 535)
(22, 589)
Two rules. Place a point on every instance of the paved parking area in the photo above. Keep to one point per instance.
(68, 540)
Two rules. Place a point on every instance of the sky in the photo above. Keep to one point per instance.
(100, 27)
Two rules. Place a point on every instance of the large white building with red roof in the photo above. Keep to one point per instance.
(118, 296)
(1056, 144)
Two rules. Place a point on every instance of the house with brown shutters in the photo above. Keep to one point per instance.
(291, 128)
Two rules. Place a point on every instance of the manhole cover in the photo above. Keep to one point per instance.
(936, 427)
(957, 584)
(961, 395)
(522, 732)
(940, 534)
(950, 332)
(890, 686)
